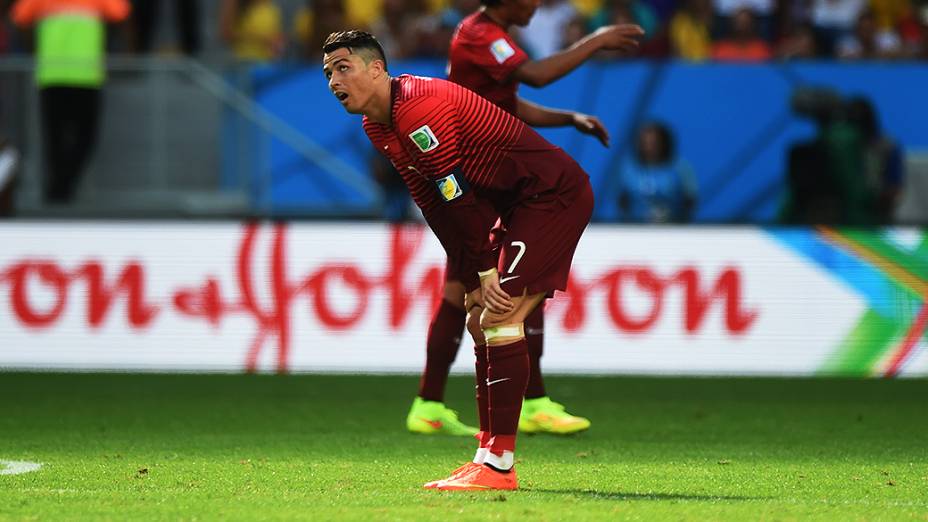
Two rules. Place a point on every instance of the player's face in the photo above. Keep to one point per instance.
(349, 79)
(522, 11)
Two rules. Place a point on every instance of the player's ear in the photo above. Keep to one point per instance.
(376, 68)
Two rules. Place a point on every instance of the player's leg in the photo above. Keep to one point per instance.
(539, 412)
(506, 378)
(428, 414)
(473, 304)
(534, 335)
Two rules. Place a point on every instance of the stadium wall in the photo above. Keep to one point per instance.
(163, 296)
(733, 124)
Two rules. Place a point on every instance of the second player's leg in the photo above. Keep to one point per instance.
(428, 414)
(540, 414)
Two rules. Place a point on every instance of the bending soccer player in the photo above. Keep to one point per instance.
(463, 159)
(486, 60)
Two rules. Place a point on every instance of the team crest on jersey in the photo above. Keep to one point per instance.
(501, 50)
(424, 138)
(449, 188)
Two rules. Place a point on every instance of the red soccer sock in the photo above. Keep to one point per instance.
(535, 336)
(507, 376)
(483, 396)
(441, 348)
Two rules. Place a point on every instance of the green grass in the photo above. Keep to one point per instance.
(187, 447)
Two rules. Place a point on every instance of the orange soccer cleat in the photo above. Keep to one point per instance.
(461, 471)
(481, 478)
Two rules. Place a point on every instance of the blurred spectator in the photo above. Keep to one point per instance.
(70, 74)
(866, 43)
(917, 41)
(9, 166)
(439, 27)
(834, 19)
(883, 165)
(690, 29)
(400, 28)
(146, 15)
(654, 44)
(588, 8)
(664, 9)
(313, 23)
(850, 174)
(743, 45)
(799, 44)
(544, 34)
(727, 10)
(575, 31)
(890, 15)
(655, 186)
(637, 11)
(363, 13)
(253, 29)
(4, 29)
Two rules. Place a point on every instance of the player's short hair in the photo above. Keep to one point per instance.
(491, 3)
(361, 43)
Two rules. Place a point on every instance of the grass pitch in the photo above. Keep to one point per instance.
(185, 447)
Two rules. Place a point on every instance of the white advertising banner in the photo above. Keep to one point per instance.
(170, 296)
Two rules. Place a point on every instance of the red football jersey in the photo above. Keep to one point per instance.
(466, 161)
(483, 57)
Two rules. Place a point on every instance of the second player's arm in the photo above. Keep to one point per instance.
(542, 72)
(541, 116)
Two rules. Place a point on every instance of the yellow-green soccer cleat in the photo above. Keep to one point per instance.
(434, 418)
(542, 415)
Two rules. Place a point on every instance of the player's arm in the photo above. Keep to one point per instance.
(541, 116)
(622, 37)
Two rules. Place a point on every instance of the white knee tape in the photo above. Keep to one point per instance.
(506, 330)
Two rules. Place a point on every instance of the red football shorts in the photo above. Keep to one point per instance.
(541, 237)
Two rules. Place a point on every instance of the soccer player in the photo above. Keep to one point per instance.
(464, 161)
(486, 60)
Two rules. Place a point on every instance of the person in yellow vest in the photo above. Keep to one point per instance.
(70, 72)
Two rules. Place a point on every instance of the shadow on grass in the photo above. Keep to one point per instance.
(619, 495)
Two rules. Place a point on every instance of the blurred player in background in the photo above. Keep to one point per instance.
(486, 60)
(464, 159)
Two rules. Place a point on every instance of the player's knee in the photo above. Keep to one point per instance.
(473, 325)
(490, 319)
(501, 328)
(504, 334)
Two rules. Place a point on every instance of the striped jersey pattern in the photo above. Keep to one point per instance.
(483, 58)
(456, 128)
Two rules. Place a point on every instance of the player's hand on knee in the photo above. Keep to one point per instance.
(495, 299)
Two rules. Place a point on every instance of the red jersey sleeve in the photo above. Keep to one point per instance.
(497, 54)
(434, 129)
